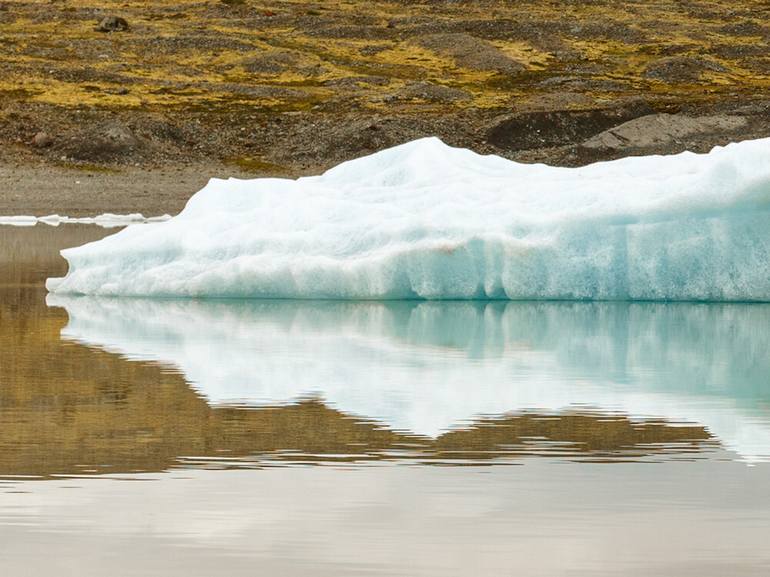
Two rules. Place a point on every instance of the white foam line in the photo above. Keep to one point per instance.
(106, 220)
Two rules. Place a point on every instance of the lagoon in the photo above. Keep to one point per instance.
(185, 437)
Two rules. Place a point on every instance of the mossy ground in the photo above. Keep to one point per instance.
(211, 68)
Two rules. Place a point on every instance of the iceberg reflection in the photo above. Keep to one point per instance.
(426, 367)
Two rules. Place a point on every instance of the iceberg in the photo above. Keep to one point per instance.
(427, 221)
(427, 367)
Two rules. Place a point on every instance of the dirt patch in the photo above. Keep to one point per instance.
(470, 52)
(272, 62)
(746, 28)
(432, 93)
(677, 69)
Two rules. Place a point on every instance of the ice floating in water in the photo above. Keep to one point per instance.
(425, 367)
(106, 220)
(424, 220)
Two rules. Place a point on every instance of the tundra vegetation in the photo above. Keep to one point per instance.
(292, 87)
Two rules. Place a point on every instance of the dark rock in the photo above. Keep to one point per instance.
(112, 24)
(676, 69)
(533, 130)
(42, 140)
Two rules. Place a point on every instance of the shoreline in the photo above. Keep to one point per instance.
(43, 190)
(38, 188)
(138, 119)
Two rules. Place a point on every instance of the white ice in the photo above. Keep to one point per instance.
(426, 367)
(107, 220)
(424, 220)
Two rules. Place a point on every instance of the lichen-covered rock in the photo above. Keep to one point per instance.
(112, 24)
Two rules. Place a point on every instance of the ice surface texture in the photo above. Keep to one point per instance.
(424, 220)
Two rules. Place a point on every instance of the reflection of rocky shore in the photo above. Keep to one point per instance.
(425, 368)
(68, 409)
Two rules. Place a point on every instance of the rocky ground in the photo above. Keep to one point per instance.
(130, 106)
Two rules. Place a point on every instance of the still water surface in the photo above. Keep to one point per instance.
(142, 437)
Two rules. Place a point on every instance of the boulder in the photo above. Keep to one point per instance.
(112, 24)
(661, 133)
(41, 140)
(105, 142)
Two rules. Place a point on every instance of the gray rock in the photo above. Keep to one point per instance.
(42, 140)
(661, 131)
(110, 141)
(112, 24)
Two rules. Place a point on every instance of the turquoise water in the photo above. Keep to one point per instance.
(163, 437)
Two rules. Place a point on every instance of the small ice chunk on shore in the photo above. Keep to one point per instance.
(18, 220)
(427, 221)
(106, 220)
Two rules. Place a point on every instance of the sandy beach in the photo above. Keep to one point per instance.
(40, 190)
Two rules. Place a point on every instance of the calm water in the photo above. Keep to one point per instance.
(165, 437)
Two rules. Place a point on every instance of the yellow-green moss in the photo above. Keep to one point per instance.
(46, 44)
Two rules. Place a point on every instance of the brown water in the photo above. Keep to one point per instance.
(143, 437)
